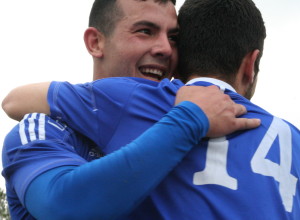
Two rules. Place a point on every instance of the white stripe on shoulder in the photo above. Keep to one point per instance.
(31, 127)
(42, 132)
(22, 130)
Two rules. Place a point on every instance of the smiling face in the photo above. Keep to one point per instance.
(143, 42)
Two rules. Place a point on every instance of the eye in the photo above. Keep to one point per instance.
(174, 38)
(145, 31)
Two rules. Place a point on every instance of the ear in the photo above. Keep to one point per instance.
(249, 68)
(94, 42)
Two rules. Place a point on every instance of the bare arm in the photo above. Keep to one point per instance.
(26, 99)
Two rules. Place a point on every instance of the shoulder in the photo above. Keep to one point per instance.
(42, 131)
(119, 83)
(118, 86)
(37, 127)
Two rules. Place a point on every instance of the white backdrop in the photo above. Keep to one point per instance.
(43, 40)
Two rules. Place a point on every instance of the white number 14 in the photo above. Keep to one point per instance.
(216, 173)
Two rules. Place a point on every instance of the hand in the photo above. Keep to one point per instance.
(220, 110)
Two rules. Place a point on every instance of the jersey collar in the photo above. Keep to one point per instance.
(223, 85)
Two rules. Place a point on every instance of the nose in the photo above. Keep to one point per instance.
(162, 47)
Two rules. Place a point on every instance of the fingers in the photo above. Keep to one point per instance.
(225, 120)
(240, 110)
(227, 125)
(244, 123)
(247, 123)
(219, 108)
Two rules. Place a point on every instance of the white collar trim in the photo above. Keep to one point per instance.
(223, 85)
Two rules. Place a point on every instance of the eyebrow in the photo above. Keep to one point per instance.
(153, 25)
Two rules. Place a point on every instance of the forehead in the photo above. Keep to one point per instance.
(148, 10)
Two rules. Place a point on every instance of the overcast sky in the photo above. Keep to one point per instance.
(43, 41)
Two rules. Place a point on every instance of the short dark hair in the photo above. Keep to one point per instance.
(106, 13)
(215, 35)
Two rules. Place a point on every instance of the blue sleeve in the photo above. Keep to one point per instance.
(112, 186)
(102, 108)
(81, 105)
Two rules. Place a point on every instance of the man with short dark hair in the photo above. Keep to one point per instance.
(246, 175)
(143, 45)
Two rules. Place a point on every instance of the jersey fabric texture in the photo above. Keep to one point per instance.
(251, 174)
(37, 144)
(45, 160)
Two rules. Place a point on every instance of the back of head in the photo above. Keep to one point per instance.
(106, 13)
(215, 35)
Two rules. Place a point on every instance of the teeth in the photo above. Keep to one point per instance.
(152, 71)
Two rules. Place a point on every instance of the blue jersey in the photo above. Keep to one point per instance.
(38, 144)
(251, 174)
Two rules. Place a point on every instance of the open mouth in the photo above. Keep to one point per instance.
(152, 73)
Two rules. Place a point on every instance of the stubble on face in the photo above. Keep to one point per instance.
(142, 44)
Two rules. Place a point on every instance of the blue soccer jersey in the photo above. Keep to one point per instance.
(53, 172)
(251, 174)
(38, 144)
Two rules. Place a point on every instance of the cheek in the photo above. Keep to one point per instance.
(133, 49)
(123, 54)
(174, 58)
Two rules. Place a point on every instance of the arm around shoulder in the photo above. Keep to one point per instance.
(26, 99)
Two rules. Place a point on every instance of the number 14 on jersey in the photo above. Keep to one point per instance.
(216, 173)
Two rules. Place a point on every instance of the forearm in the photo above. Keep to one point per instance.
(112, 186)
(26, 99)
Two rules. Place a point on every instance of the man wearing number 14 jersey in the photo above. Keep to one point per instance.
(252, 174)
